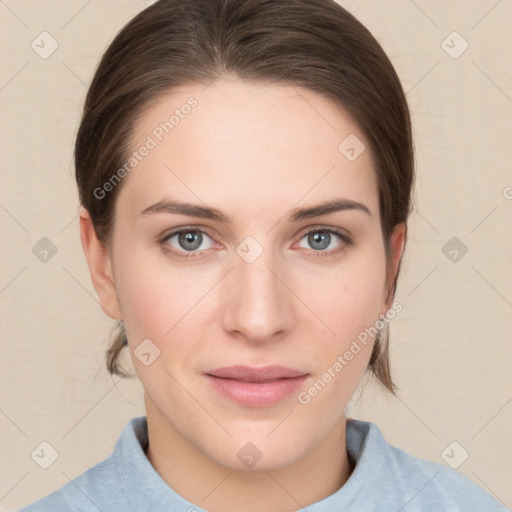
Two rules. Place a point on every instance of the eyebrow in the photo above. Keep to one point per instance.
(295, 215)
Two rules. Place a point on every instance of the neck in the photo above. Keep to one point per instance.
(206, 484)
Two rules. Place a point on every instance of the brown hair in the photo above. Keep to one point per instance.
(315, 44)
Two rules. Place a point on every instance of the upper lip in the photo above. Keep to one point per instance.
(253, 374)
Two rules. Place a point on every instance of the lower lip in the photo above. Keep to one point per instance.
(254, 394)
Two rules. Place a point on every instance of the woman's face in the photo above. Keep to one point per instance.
(267, 284)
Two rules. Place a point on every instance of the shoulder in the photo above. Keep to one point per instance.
(106, 485)
(125, 480)
(95, 489)
(411, 482)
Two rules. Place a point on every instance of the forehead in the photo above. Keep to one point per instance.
(244, 143)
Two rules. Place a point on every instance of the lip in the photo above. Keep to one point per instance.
(256, 387)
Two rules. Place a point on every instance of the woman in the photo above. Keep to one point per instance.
(245, 170)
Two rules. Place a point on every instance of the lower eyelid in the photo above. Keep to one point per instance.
(345, 240)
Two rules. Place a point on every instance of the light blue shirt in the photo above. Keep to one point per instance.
(385, 479)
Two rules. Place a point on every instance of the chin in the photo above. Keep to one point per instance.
(254, 450)
(252, 458)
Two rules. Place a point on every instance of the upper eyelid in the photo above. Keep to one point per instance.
(186, 229)
(205, 229)
(321, 227)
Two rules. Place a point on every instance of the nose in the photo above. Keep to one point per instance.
(258, 305)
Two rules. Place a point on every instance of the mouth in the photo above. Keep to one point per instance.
(256, 387)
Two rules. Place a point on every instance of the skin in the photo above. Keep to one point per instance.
(255, 152)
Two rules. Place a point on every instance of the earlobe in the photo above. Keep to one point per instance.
(100, 267)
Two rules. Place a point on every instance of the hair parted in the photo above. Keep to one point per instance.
(315, 44)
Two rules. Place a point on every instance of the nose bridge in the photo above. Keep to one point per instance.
(259, 304)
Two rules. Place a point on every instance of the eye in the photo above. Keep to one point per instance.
(320, 239)
(192, 242)
(185, 241)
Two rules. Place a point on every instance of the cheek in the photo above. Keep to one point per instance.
(348, 298)
(161, 300)
(350, 307)
(144, 289)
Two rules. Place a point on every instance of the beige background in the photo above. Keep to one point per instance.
(451, 344)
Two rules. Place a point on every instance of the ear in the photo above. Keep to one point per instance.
(100, 267)
(396, 247)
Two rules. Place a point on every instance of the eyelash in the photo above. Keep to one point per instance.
(346, 242)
